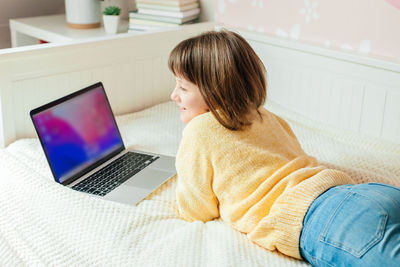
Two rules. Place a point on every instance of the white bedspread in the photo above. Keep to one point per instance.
(44, 223)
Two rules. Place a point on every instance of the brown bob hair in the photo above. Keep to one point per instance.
(230, 75)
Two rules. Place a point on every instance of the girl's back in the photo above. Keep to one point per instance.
(255, 179)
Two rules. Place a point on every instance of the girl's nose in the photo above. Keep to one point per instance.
(173, 95)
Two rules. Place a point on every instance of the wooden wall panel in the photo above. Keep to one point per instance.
(347, 91)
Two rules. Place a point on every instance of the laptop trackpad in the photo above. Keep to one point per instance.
(148, 178)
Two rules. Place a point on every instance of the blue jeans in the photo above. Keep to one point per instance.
(353, 225)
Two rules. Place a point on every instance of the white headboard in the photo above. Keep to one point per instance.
(348, 91)
(133, 70)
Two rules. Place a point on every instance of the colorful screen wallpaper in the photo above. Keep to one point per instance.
(78, 132)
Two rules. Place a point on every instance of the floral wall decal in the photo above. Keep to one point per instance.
(395, 3)
(294, 32)
(310, 10)
(358, 26)
(257, 29)
(259, 3)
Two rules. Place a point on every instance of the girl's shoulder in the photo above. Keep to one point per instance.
(205, 122)
(200, 133)
(278, 122)
(205, 131)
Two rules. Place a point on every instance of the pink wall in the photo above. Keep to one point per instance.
(368, 27)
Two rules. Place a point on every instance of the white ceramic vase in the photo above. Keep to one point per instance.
(111, 23)
(83, 14)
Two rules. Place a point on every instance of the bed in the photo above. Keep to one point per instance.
(344, 108)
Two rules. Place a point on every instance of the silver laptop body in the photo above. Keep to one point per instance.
(85, 151)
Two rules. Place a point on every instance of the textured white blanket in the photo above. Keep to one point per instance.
(44, 223)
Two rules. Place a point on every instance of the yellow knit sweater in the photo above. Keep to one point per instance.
(258, 180)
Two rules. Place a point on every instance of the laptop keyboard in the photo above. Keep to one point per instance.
(114, 174)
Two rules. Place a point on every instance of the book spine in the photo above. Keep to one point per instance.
(155, 18)
(150, 25)
(168, 8)
(147, 28)
(169, 13)
(166, 3)
(133, 21)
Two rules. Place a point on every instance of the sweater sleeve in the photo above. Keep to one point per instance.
(195, 197)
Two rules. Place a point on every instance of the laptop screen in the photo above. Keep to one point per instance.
(77, 132)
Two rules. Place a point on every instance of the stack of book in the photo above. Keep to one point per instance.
(161, 14)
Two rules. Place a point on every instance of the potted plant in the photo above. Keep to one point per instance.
(125, 5)
(111, 19)
(83, 14)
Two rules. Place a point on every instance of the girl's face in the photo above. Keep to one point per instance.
(189, 99)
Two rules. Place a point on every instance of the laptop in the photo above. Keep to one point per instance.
(85, 151)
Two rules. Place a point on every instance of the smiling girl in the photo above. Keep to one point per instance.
(240, 162)
(189, 99)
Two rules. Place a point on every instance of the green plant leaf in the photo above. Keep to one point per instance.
(112, 10)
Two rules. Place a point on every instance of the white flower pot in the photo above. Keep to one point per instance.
(83, 14)
(111, 23)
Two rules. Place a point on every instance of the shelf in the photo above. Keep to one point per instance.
(54, 29)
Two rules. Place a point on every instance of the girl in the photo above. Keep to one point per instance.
(240, 162)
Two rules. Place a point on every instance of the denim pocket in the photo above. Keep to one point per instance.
(356, 225)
